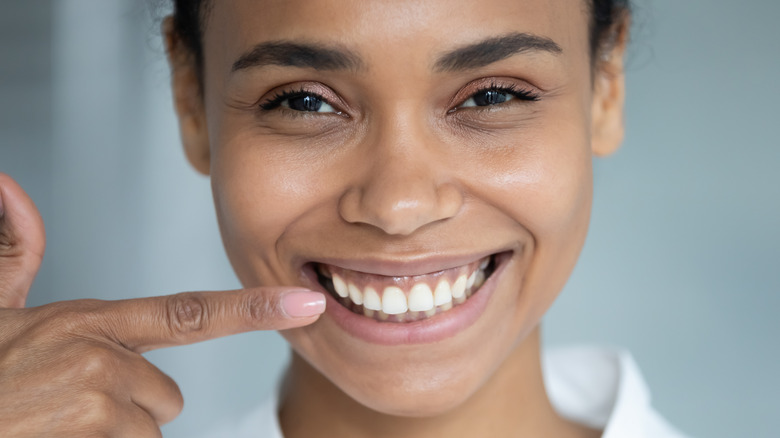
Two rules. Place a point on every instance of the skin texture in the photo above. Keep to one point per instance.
(401, 177)
(405, 175)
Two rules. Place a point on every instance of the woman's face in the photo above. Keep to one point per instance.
(394, 147)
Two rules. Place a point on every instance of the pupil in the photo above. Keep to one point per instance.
(305, 103)
(490, 97)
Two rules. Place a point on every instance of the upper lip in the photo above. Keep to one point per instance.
(406, 266)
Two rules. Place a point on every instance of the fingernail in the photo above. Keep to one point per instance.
(300, 304)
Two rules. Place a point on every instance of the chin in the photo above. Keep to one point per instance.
(414, 390)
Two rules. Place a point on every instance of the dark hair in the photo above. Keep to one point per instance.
(189, 17)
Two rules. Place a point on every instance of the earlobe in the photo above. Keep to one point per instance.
(187, 99)
(609, 92)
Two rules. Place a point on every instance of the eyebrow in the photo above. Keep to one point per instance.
(493, 50)
(319, 57)
(294, 54)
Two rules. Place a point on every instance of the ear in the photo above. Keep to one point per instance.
(187, 98)
(609, 93)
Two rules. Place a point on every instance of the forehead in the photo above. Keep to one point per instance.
(409, 31)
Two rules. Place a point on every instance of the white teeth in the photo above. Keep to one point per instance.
(459, 287)
(420, 298)
(442, 294)
(371, 299)
(480, 279)
(340, 286)
(398, 305)
(394, 301)
(355, 294)
(472, 278)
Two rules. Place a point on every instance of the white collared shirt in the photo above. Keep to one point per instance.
(598, 387)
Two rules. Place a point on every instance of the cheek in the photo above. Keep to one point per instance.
(543, 185)
(259, 194)
(541, 179)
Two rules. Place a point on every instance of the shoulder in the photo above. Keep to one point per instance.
(603, 388)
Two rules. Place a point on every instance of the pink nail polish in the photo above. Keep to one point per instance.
(301, 304)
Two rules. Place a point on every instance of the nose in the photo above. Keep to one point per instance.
(403, 189)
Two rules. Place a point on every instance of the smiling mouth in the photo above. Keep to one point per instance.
(404, 298)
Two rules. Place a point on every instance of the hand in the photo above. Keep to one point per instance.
(74, 368)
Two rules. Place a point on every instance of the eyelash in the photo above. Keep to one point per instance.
(520, 93)
(276, 101)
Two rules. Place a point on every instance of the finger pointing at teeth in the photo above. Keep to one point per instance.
(185, 318)
(75, 366)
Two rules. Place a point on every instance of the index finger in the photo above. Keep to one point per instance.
(146, 324)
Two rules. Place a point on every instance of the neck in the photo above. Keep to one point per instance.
(513, 401)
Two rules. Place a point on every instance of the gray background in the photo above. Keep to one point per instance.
(681, 266)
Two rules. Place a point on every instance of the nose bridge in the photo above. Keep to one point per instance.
(404, 186)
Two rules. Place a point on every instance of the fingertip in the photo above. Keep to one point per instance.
(303, 303)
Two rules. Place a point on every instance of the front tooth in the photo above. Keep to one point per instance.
(371, 299)
(459, 287)
(340, 286)
(442, 294)
(420, 298)
(355, 294)
(394, 301)
(471, 280)
(484, 263)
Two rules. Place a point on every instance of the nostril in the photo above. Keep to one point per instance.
(450, 200)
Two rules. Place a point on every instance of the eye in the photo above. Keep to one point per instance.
(303, 101)
(496, 95)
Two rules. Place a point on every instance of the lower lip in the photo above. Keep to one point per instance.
(434, 329)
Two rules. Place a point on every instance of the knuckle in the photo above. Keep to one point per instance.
(186, 313)
(68, 316)
(259, 308)
(97, 410)
(8, 242)
(99, 362)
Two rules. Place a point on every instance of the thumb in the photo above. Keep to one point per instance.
(22, 242)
